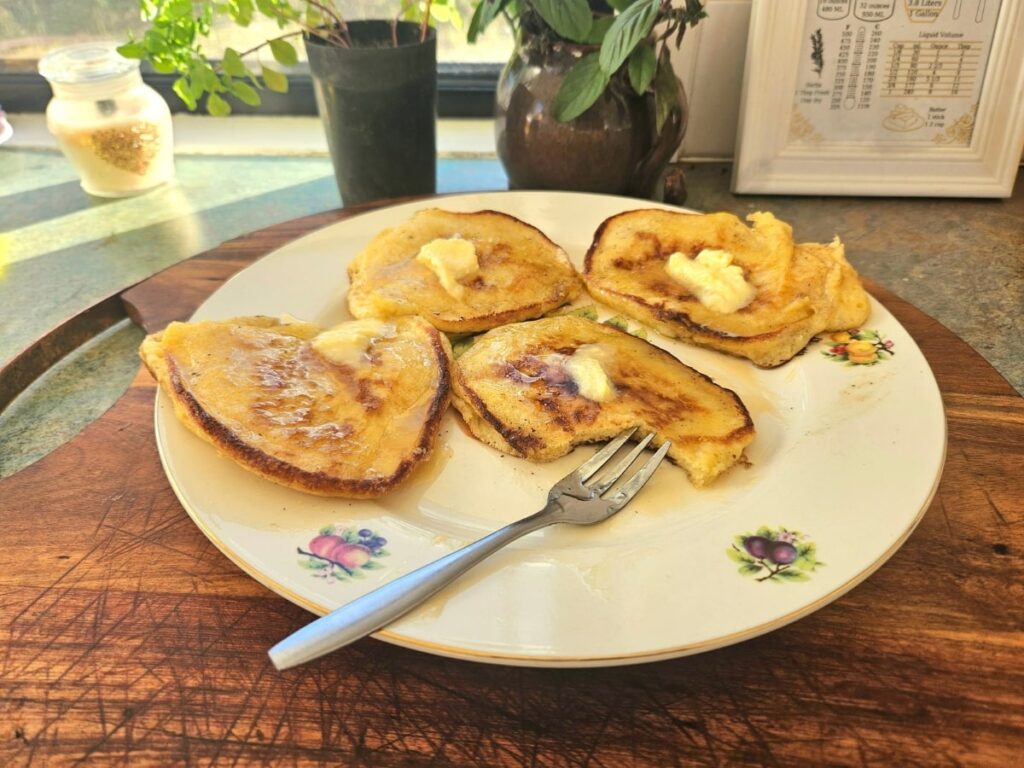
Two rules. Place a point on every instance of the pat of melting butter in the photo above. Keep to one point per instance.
(587, 372)
(712, 277)
(348, 343)
(451, 259)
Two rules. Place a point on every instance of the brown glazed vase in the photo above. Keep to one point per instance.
(611, 148)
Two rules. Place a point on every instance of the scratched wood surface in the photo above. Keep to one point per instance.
(129, 639)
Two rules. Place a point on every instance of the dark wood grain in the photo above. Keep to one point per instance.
(129, 639)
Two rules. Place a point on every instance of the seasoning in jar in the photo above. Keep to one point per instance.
(114, 129)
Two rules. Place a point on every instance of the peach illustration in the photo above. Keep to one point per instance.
(861, 352)
(351, 556)
(323, 544)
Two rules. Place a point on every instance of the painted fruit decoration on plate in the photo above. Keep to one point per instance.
(775, 555)
(340, 554)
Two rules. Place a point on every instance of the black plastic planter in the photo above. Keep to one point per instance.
(378, 103)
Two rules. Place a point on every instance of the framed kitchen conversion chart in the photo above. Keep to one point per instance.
(882, 97)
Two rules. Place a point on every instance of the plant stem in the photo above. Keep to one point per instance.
(301, 551)
(426, 21)
(780, 569)
(394, 21)
(265, 43)
(344, 39)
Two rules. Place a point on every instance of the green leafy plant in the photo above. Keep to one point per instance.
(633, 37)
(178, 29)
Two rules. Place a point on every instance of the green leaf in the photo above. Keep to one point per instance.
(132, 50)
(203, 77)
(460, 346)
(183, 89)
(630, 27)
(266, 7)
(177, 9)
(484, 14)
(314, 18)
(793, 576)
(620, 5)
(232, 63)
(749, 569)
(441, 13)
(599, 29)
(456, 20)
(370, 565)
(642, 65)
(245, 93)
(583, 85)
(242, 12)
(589, 312)
(284, 52)
(412, 12)
(216, 106)
(196, 81)
(738, 556)
(155, 42)
(274, 80)
(765, 531)
(569, 18)
(476, 25)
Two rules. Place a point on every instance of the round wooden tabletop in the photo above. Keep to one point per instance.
(130, 639)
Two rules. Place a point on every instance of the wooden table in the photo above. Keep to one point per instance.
(128, 638)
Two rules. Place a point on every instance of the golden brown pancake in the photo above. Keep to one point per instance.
(295, 405)
(801, 289)
(515, 389)
(522, 274)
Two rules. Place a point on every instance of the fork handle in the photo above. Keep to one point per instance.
(383, 605)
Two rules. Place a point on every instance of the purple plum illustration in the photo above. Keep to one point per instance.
(775, 554)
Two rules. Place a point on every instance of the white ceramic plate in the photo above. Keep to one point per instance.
(846, 460)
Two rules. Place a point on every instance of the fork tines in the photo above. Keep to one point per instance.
(575, 483)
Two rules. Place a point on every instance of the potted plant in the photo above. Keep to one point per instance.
(375, 80)
(589, 100)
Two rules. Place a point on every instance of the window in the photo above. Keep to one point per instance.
(30, 28)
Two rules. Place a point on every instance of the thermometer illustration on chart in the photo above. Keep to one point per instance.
(978, 17)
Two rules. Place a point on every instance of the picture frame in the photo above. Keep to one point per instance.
(886, 98)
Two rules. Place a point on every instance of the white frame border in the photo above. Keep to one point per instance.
(765, 164)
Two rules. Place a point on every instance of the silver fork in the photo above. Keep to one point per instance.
(570, 500)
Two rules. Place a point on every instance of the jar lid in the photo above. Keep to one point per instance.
(85, 63)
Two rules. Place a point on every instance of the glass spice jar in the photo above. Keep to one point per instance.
(115, 129)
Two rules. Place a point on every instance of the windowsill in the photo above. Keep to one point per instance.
(265, 135)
